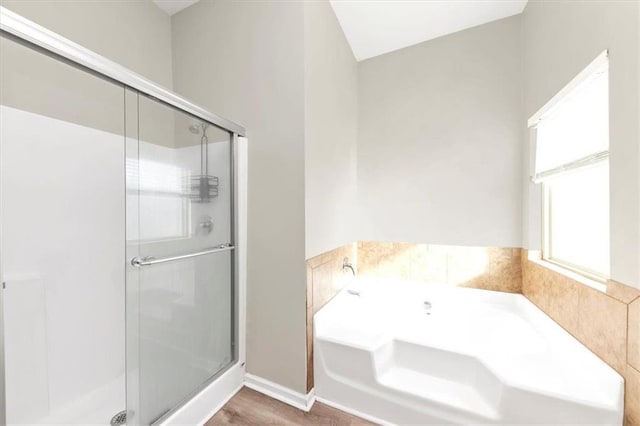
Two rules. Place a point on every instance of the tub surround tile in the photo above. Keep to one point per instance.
(535, 284)
(602, 327)
(633, 335)
(403, 261)
(555, 294)
(325, 276)
(315, 261)
(490, 268)
(325, 279)
(563, 305)
(599, 321)
(327, 282)
(323, 285)
(622, 292)
(466, 266)
(309, 287)
(487, 268)
(309, 349)
(606, 322)
(632, 397)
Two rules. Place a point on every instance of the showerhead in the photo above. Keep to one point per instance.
(203, 187)
(195, 128)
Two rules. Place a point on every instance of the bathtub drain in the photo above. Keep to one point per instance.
(119, 419)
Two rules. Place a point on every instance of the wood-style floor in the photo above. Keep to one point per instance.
(249, 407)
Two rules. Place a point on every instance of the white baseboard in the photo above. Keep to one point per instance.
(288, 396)
(351, 411)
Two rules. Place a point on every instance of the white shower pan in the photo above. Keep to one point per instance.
(414, 353)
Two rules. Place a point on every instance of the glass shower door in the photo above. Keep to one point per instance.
(179, 246)
(61, 241)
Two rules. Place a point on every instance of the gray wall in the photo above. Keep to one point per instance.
(560, 39)
(439, 148)
(136, 34)
(244, 60)
(331, 131)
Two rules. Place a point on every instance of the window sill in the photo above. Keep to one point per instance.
(593, 283)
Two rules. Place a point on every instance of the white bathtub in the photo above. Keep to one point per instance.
(474, 357)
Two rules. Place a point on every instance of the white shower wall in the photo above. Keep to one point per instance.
(63, 251)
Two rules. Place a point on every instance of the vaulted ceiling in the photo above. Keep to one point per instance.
(374, 27)
(174, 6)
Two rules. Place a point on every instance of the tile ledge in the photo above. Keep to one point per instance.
(596, 285)
(624, 293)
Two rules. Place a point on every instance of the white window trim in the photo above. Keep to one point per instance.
(598, 62)
(576, 272)
(187, 225)
(574, 165)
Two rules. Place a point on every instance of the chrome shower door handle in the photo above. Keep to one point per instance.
(150, 260)
(140, 261)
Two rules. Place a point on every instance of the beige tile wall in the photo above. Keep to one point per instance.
(633, 351)
(489, 268)
(608, 322)
(325, 278)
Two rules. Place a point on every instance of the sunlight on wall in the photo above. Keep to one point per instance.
(478, 267)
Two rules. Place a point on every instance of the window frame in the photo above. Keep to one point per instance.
(546, 252)
(186, 224)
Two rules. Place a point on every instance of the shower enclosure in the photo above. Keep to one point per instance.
(121, 242)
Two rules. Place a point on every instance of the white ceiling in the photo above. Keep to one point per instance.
(374, 27)
(174, 6)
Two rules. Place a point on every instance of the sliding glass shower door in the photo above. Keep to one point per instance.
(117, 257)
(179, 289)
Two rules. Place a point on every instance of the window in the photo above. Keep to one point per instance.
(572, 164)
(158, 189)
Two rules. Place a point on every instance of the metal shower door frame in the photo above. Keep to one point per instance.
(38, 38)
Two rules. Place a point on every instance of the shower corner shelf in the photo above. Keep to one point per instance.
(202, 188)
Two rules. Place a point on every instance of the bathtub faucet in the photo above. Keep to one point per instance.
(347, 265)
